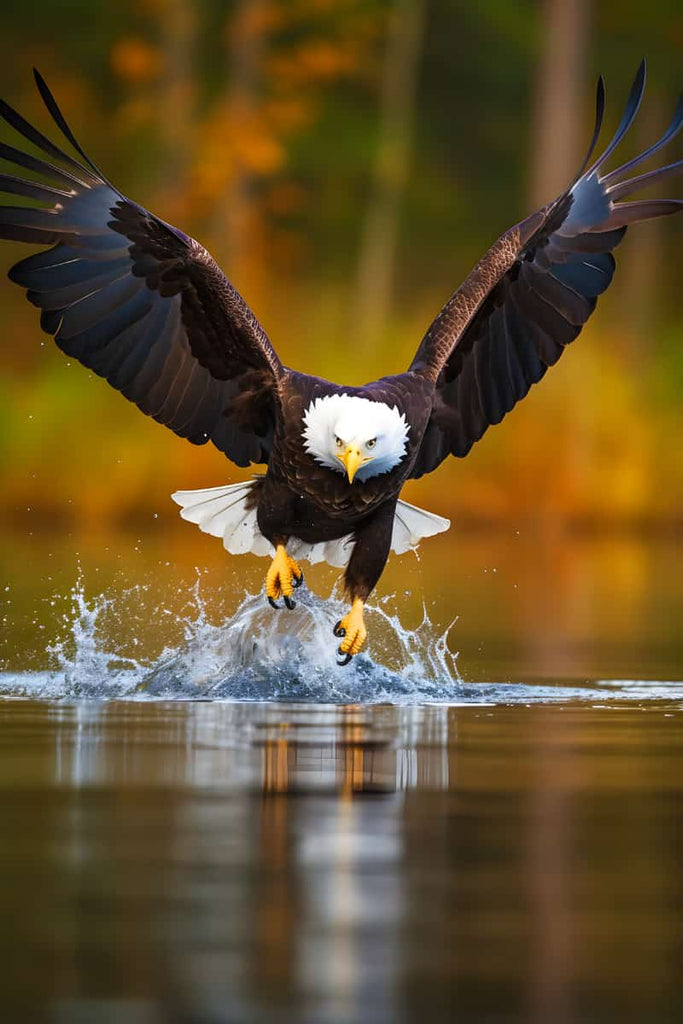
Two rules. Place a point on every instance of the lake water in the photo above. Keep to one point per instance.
(203, 821)
(230, 862)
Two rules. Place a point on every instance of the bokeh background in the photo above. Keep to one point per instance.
(346, 162)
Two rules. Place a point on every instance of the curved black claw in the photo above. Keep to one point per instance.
(345, 655)
(339, 630)
(290, 604)
(273, 604)
(297, 581)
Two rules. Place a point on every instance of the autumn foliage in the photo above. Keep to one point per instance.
(268, 129)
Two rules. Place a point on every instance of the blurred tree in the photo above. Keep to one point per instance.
(560, 135)
(380, 231)
(283, 134)
(178, 23)
(642, 265)
(559, 111)
(247, 41)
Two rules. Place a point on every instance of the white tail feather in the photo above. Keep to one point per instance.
(222, 512)
(413, 524)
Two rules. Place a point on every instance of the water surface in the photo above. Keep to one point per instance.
(231, 862)
(204, 821)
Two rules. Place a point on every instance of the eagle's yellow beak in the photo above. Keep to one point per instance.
(352, 459)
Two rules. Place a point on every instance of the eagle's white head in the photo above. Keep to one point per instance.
(355, 436)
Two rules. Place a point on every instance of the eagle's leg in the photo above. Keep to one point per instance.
(366, 565)
(283, 576)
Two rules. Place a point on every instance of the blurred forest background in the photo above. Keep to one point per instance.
(346, 162)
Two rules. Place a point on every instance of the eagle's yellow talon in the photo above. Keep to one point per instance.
(282, 577)
(353, 630)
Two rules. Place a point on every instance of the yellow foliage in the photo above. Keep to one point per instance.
(579, 449)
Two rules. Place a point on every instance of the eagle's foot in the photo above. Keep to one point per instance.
(282, 578)
(352, 629)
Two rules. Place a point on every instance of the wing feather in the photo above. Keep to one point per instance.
(531, 294)
(136, 300)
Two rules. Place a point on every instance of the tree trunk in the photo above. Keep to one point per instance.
(237, 214)
(379, 239)
(178, 25)
(559, 140)
(641, 261)
(559, 127)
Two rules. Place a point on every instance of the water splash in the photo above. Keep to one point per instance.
(261, 655)
(255, 654)
(84, 661)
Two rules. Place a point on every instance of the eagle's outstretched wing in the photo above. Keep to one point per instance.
(137, 301)
(531, 294)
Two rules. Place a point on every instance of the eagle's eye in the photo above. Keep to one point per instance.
(371, 443)
(338, 441)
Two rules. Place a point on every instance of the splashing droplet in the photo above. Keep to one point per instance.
(255, 654)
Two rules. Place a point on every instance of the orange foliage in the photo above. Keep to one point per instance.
(135, 61)
(234, 138)
(285, 197)
(317, 60)
(254, 20)
(582, 447)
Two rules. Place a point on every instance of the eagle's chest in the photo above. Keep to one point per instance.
(317, 489)
(315, 413)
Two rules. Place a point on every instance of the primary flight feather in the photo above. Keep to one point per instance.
(146, 307)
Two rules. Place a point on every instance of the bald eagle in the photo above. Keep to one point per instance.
(146, 307)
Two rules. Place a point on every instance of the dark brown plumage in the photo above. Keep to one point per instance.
(146, 307)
